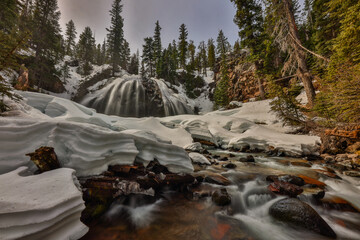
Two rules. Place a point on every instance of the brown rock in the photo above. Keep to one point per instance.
(217, 179)
(311, 181)
(221, 197)
(285, 188)
(45, 159)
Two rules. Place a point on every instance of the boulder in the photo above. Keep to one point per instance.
(45, 159)
(297, 213)
(221, 197)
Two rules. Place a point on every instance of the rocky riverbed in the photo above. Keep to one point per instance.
(232, 196)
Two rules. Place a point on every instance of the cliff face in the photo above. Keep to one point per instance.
(244, 84)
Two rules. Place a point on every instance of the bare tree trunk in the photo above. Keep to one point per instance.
(302, 71)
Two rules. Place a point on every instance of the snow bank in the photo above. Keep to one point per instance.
(89, 142)
(45, 206)
(252, 125)
(87, 148)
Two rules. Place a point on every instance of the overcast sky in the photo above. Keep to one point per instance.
(203, 18)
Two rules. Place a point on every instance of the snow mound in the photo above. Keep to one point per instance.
(252, 126)
(199, 158)
(45, 206)
(87, 148)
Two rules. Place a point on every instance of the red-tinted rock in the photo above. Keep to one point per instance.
(284, 188)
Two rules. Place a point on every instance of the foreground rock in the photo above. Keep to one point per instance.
(300, 214)
(122, 181)
(45, 159)
(43, 206)
(221, 197)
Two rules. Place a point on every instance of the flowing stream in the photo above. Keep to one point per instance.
(177, 217)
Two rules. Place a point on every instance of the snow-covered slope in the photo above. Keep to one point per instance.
(83, 140)
(45, 206)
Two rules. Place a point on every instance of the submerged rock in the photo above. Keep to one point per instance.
(249, 158)
(298, 213)
(217, 179)
(229, 165)
(221, 197)
(45, 159)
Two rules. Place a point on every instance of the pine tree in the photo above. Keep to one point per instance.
(46, 41)
(98, 56)
(223, 46)
(250, 22)
(191, 55)
(183, 45)
(203, 59)
(288, 38)
(148, 57)
(158, 49)
(86, 50)
(211, 54)
(125, 56)
(8, 14)
(134, 65)
(175, 54)
(116, 37)
(104, 52)
(70, 36)
(237, 48)
(12, 42)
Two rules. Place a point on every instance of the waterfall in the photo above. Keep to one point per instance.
(130, 96)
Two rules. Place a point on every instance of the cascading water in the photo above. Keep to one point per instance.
(247, 217)
(130, 96)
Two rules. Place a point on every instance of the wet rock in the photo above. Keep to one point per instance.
(316, 193)
(201, 191)
(45, 159)
(312, 182)
(229, 165)
(217, 179)
(337, 203)
(352, 174)
(301, 164)
(223, 159)
(300, 214)
(127, 170)
(327, 174)
(339, 167)
(156, 167)
(285, 188)
(286, 178)
(221, 197)
(249, 158)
